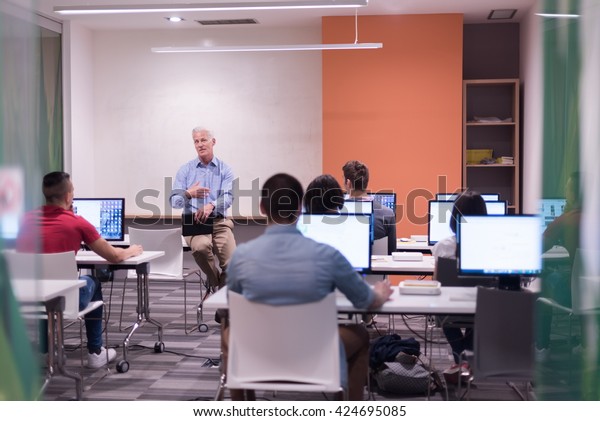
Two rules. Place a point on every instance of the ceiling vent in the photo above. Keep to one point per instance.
(228, 22)
(502, 14)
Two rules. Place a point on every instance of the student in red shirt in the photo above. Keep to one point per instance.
(54, 228)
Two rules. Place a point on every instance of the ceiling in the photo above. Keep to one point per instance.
(475, 11)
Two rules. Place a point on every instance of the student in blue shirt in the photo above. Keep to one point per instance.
(282, 267)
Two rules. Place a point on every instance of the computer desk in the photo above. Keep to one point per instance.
(385, 265)
(126, 243)
(452, 300)
(51, 293)
(413, 245)
(141, 263)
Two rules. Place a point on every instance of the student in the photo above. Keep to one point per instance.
(203, 186)
(323, 195)
(468, 203)
(54, 228)
(282, 267)
(563, 231)
(356, 181)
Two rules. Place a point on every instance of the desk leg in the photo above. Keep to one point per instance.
(143, 315)
(54, 310)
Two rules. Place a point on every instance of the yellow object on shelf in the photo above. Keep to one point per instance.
(475, 156)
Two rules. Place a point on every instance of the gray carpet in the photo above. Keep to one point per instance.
(188, 368)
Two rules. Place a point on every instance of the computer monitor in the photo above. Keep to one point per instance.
(357, 206)
(349, 233)
(550, 209)
(505, 246)
(495, 207)
(106, 214)
(488, 197)
(360, 206)
(440, 212)
(386, 199)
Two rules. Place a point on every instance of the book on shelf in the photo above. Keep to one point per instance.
(506, 160)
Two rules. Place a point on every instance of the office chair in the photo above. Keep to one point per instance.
(447, 275)
(503, 338)
(50, 266)
(166, 268)
(265, 354)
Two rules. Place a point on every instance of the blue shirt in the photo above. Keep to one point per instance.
(282, 267)
(216, 175)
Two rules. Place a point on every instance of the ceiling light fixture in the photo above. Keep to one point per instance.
(558, 15)
(190, 7)
(293, 47)
(174, 19)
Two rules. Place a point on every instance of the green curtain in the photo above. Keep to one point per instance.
(31, 140)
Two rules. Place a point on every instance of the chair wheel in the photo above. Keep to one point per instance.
(123, 366)
(159, 347)
(203, 327)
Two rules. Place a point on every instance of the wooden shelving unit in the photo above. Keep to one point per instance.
(492, 99)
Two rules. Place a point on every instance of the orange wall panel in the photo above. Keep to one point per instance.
(398, 109)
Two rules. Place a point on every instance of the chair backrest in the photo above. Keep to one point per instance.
(276, 345)
(585, 286)
(380, 246)
(447, 275)
(167, 240)
(504, 334)
(47, 266)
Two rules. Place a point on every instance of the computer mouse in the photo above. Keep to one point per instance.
(405, 240)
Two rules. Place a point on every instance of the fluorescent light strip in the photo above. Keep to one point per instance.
(154, 8)
(558, 15)
(241, 48)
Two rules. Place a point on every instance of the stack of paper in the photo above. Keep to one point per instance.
(506, 160)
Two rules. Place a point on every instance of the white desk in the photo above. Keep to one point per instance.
(385, 265)
(90, 260)
(452, 300)
(126, 242)
(413, 245)
(51, 293)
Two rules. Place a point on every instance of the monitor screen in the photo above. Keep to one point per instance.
(550, 209)
(357, 206)
(497, 207)
(440, 211)
(507, 246)
(106, 214)
(452, 196)
(386, 199)
(349, 233)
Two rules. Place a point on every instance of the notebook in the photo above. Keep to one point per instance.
(190, 227)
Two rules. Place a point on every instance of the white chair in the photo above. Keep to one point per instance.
(265, 354)
(53, 266)
(166, 268)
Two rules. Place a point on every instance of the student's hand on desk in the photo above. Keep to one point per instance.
(136, 250)
(383, 291)
(197, 191)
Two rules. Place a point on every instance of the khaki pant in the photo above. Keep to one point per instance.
(355, 339)
(219, 244)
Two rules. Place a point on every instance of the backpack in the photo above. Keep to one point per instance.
(396, 366)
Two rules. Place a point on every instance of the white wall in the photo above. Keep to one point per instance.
(264, 109)
(532, 77)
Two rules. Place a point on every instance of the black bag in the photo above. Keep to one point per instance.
(396, 367)
(402, 378)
